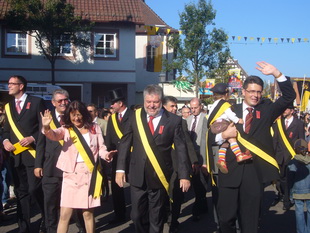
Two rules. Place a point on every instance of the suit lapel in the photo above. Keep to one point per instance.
(55, 119)
(239, 113)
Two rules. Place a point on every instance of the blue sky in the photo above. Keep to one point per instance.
(263, 18)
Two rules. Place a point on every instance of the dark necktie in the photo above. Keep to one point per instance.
(151, 124)
(18, 108)
(120, 117)
(61, 121)
(193, 129)
(248, 120)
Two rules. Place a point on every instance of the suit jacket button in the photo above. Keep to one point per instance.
(75, 183)
(85, 183)
(75, 173)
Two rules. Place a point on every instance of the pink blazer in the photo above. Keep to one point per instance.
(67, 158)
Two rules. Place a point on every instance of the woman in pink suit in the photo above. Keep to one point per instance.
(82, 144)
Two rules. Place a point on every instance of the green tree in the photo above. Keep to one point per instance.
(52, 23)
(201, 50)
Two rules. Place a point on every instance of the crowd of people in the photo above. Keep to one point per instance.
(64, 158)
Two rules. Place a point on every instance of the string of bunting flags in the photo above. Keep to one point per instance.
(154, 30)
(275, 40)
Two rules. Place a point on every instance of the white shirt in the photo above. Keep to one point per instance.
(156, 119)
(57, 114)
(79, 158)
(123, 112)
(197, 120)
(22, 99)
(289, 121)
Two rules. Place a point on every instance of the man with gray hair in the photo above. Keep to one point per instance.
(151, 134)
(45, 163)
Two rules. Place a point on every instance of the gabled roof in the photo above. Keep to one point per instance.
(100, 10)
(151, 19)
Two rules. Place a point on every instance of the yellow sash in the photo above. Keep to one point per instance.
(53, 126)
(285, 140)
(18, 134)
(115, 125)
(222, 109)
(95, 174)
(256, 150)
(149, 152)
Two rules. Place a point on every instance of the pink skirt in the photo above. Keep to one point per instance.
(75, 186)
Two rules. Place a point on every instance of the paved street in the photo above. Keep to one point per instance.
(273, 220)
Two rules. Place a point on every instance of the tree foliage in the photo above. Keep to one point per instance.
(201, 50)
(49, 22)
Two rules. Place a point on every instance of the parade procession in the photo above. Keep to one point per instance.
(153, 117)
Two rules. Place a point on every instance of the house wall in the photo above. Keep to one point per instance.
(144, 77)
(83, 69)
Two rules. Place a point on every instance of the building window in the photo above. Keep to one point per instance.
(105, 44)
(150, 58)
(65, 46)
(16, 43)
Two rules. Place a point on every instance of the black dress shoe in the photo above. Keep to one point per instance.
(287, 206)
(277, 200)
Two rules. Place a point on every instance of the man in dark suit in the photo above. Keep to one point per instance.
(240, 190)
(45, 164)
(151, 134)
(117, 123)
(293, 129)
(170, 104)
(21, 135)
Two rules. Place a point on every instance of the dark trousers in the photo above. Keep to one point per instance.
(148, 209)
(52, 190)
(200, 204)
(175, 206)
(243, 201)
(282, 185)
(28, 188)
(118, 194)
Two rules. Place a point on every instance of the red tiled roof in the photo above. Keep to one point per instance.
(101, 10)
(151, 19)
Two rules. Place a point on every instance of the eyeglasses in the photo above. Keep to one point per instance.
(252, 92)
(61, 100)
(14, 83)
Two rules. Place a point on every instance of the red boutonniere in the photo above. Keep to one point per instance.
(291, 135)
(28, 105)
(161, 129)
(258, 114)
